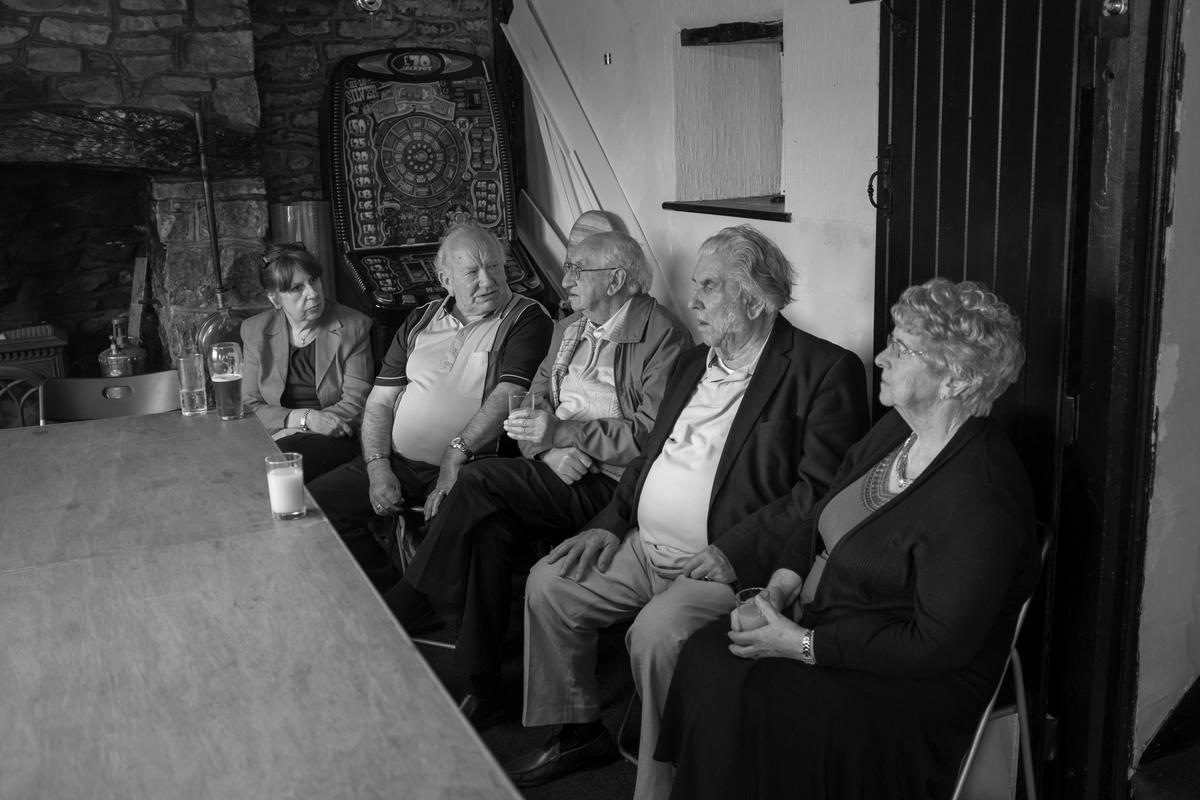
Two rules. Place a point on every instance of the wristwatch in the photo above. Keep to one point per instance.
(459, 443)
(304, 419)
(806, 647)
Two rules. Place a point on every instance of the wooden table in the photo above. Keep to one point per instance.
(161, 636)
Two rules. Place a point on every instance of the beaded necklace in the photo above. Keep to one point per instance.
(875, 492)
(902, 479)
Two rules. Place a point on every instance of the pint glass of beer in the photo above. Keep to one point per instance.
(225, 365)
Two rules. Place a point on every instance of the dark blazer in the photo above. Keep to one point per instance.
(343, 362)
(932, 582)
(804, 406)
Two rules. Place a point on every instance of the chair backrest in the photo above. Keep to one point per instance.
(1044, 541)
(20, 396)
(69, 399)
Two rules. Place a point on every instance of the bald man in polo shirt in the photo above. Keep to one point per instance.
(753, 424)
(441, 395)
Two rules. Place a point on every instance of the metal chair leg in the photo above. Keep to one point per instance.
(1023, 723)
(964, 769)
(631, 757)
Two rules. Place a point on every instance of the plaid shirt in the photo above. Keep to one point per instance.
(572, 336)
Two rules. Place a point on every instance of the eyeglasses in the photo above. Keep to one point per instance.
(900, 349)
(573, 271)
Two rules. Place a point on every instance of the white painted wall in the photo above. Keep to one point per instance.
(1169, 637)
(830, 103)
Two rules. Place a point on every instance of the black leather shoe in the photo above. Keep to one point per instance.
(484, 712)
(552, 762)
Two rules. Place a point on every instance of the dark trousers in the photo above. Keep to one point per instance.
(466, 558)
(776, 727)
(321, 453)
(343, 494)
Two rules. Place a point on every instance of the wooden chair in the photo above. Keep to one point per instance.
(1018, 674)
(70, 399)
(20, 395)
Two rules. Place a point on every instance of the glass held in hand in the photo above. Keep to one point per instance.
(749, 614)
(192, 397)
(285, 484)
(225, 366)
(527, 400)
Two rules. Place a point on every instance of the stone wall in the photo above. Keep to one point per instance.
(185, 291)
(156, 54)
(298, 43)
(114, 84)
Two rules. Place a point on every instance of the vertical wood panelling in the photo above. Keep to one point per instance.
(1050, 227)
(979, 104)
(927, 124)
(955, 137)
(986, 81)
(1017, 153)
(984, 192)
(898, 62)
(1007, 273)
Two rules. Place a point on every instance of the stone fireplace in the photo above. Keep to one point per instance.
(111, 86)
(68, 241)
(100, 161)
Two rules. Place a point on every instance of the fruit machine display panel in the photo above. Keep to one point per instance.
(414, 144)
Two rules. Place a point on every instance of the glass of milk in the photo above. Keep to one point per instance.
(285, 483)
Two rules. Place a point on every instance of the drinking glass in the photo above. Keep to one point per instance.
(285, 484)
(225, 365)
(748, 612)
(192, 399)
(522, 400)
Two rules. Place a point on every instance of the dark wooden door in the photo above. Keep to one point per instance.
(1028, 144)
(977, 102)
(978, 153)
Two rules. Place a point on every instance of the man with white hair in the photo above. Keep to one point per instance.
(753, 421)
(602, 380)
(441, 395)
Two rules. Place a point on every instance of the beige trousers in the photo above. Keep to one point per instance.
(562, 623)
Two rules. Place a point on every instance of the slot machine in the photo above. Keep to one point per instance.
(415, 143)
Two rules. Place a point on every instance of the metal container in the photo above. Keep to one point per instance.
(123, 357)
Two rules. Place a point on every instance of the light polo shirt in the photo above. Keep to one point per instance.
(589, 389)
(672, 513)
(444, 378)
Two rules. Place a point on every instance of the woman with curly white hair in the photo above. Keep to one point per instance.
(888, 618)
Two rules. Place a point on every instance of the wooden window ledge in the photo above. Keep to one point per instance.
(768, 206)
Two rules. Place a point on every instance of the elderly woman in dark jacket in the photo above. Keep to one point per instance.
(905, 581)
(308, 364)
